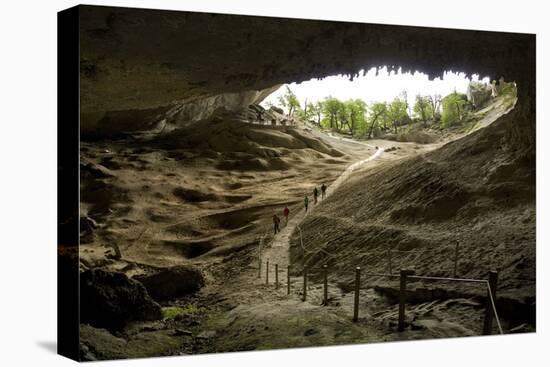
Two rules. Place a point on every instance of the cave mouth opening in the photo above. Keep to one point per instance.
(381, 99)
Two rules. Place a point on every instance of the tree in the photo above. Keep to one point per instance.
(343, 116)
(356, 108)
(315, 110)
(377, 113)
(453, 109)
(405, 97)
(435, 102)
(422, 108)
(289, 101)
(331, 109)
(397, 112)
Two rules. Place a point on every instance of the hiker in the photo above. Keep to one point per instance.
(286, 211)
(276, 222)
(323, 191)
(306, 202)
(315, 194)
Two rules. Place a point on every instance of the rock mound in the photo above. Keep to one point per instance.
(478, 93)
(173, 282)
(110, 300)
(470, 191)
(229, 136)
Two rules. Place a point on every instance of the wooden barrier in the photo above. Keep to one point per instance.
(260, 258)
(267, 272)
(356, 295)
(402, 296)
(288, 280)
(404, 277)
(491, 293)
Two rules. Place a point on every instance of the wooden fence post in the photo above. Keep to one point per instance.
(276, 276)
(260, 258)
(488, 321)
(288, 280)
(325, 285)
(267, 272)
(118, 254)
(402, 296)
(304, 297)
(356, 295)
(456, 260)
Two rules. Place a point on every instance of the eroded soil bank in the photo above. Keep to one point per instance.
(202, 196)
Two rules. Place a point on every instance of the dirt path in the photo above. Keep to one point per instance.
(277, 251)
(257, 315)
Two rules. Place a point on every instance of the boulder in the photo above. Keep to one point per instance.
(279, 110)
(173, 282)
(110, 300)
(478, 93)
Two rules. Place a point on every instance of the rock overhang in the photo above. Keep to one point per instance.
(140, 59)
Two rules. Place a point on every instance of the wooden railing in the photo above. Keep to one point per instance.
(404, 276)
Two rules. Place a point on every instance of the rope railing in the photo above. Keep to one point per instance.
(404, 277)
(313, 272)
(491, 291)
(417, 277)
(391, 255)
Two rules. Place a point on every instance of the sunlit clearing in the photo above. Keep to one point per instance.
(371, 88)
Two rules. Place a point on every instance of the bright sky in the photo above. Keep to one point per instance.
(371, 88)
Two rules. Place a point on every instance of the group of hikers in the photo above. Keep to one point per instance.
(286, 211)
(316, 195)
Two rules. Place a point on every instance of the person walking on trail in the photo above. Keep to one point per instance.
(315, 194)
(306, 202)
(286, 211)
(276, 222)
(323, 191)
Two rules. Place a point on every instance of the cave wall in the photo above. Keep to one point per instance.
(204, 108)
(136, 59)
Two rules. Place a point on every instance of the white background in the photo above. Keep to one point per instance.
(28, 182)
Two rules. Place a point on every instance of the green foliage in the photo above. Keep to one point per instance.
(423, 108)
(435, 103)
(378, 117)
(508, 89)
(313, 112)
(189, 309)
(331, 109)
(454, 109)
(397, 113)
(289, 101)
(354, 117)
(357, 110)
(344, 116)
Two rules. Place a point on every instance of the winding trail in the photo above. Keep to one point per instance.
(278, 251)
(267, 317)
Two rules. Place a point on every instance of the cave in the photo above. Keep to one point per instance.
(241, 59)
(181, 178)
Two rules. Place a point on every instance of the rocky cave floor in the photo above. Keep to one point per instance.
(198, 199)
